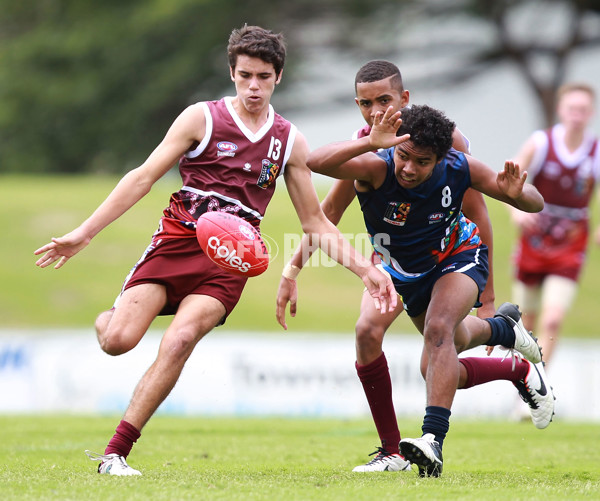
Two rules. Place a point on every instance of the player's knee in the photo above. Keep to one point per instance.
(552, 323)
(178, 345)
(437, 332)
(113, 344)
(113, 340)
(368, 333)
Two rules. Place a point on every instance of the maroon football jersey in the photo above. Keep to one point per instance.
(364, 131)
(232, 169)
(557, 243)
(566, 185)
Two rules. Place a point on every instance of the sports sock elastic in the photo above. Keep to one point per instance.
(124, 438)
(502, 332)
(484, 370)
(376, 381)
(436, 421)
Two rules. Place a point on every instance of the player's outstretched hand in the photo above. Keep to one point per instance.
(381, 288)
(62, 249)
(511, 180)
(286, 293)
(385, 126)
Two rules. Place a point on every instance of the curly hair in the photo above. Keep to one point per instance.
(255, 41)
(428, 128)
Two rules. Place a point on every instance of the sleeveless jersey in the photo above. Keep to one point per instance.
(566, 181)
(363, 132)
(232, 169)
(414, 230)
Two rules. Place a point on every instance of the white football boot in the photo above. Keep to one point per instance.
(384, 461)
(112, 464)
(536, 392)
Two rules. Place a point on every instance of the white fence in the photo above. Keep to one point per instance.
(251, 374)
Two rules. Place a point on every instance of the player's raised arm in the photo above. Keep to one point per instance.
(353, 159)
(507, 185)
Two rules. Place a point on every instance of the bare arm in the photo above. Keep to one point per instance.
(134, 185)
(347, 160)
(328, 237)
(475, 209)
(338, 199)
(355, 159)
(524, 220)
(508, 185)
(333, 205)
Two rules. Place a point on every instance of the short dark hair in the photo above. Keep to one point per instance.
(377, 70)
(428, 128)
(255, 41)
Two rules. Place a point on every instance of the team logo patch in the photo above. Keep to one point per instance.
(226, 149)
(268, 173)
(396, 213)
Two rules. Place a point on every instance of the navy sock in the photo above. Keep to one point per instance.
(436, 421)
(502, 332)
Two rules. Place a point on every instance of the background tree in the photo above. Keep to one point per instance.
(92, 86)
(469, 37)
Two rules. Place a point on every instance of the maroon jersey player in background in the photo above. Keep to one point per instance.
(563, 163)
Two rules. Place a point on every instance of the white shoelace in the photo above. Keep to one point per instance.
(513, 354)
(94, 456)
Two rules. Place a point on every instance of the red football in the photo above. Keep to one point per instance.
(232, 243)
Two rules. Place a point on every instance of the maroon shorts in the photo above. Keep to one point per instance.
(536, 262)
(182, 267)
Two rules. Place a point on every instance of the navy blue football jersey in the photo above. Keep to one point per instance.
(413, 230)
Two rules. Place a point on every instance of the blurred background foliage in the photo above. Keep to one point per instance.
(88, 86)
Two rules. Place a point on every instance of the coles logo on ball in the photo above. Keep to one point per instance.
(228, 255)
(232, 243)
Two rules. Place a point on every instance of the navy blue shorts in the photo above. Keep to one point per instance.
(416, 295)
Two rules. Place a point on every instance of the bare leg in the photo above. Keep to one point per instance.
(451, 301)
(196, 316)
(121, 329)
(551, 321)
(370, 329)
(471, 332)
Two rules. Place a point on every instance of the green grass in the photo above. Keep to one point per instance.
(37, 208)
(272, 459)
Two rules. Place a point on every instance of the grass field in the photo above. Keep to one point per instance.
(37, 208)
(272, 459)
(41, 457)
